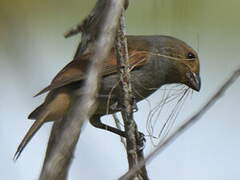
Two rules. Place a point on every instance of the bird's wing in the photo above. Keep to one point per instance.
(136, 59)
(72, 72)
(76, 69)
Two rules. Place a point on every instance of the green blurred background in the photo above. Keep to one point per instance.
(33, 50)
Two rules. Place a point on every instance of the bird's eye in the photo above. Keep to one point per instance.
(191, 56)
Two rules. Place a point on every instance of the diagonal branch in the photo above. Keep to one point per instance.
(187, 124)
(100, 29)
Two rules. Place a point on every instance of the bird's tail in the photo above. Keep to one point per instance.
(36, 125)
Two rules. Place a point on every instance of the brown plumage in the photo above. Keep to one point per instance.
(154, 61)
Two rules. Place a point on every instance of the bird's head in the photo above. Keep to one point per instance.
(182, 59)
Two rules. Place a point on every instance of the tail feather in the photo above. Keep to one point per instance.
(31, 132)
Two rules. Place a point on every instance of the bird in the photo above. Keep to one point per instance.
(154, 60)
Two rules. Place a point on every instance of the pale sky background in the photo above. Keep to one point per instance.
(33, 50)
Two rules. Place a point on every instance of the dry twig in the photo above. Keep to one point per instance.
(127, 102)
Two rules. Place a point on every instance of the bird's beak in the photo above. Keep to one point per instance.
(194, 81)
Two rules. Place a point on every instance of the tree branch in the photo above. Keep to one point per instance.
(187, 124)
(99, 31)
(80, 27)
(127, 103)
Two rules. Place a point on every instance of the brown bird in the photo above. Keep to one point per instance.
(154, 61)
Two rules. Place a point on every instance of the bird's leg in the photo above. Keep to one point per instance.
(96, 122)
